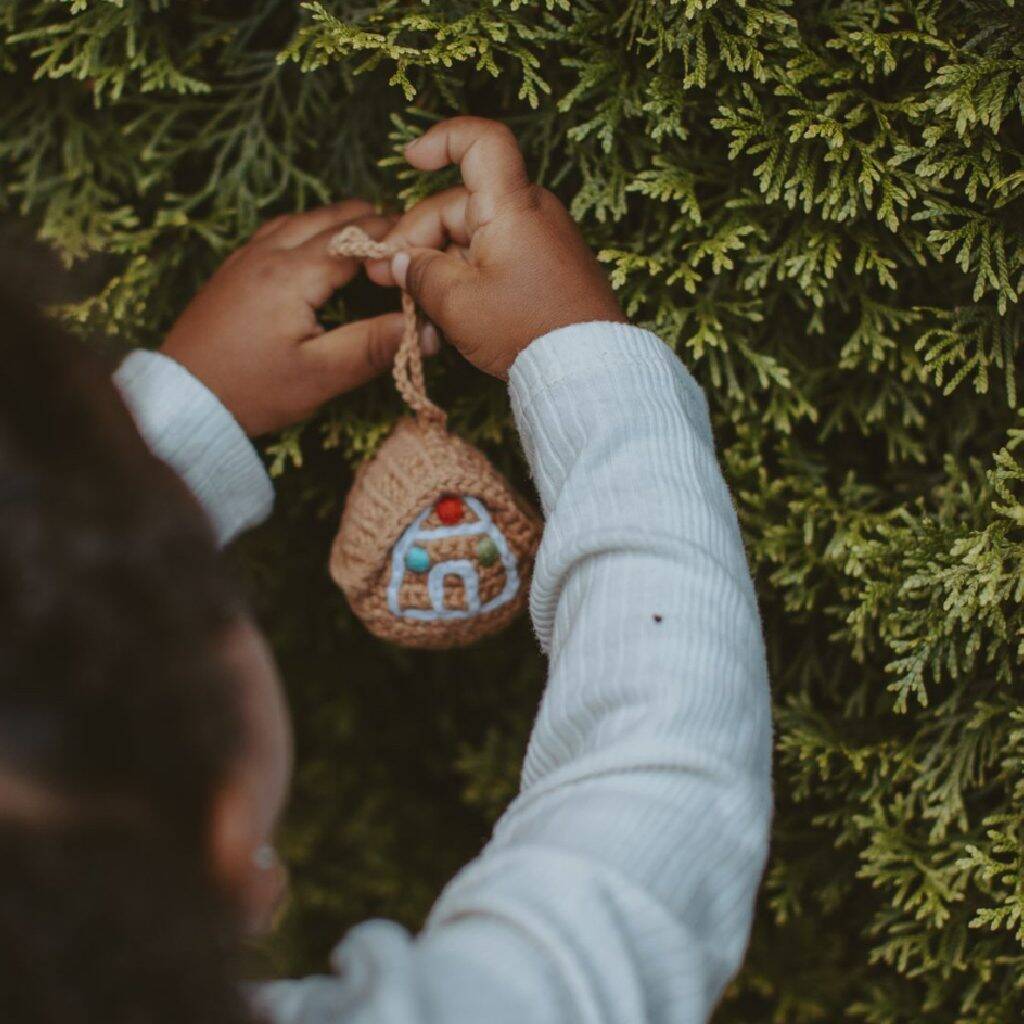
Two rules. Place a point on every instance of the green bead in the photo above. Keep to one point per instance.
(486, 551)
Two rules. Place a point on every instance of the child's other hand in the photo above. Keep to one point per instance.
(516, 265)
(251, 334)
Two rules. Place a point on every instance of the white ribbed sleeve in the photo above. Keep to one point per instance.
(186, 425)
(619, 886)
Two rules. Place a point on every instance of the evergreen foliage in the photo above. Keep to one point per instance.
(818, 203)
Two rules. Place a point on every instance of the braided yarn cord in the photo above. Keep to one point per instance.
(419, 464)
(408, 369)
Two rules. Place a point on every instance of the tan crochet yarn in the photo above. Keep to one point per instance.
(435, 548)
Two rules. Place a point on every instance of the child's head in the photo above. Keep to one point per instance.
(144, 749)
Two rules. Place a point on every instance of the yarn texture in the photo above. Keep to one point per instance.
(435, 548)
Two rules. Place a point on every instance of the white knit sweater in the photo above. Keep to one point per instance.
(618, 888)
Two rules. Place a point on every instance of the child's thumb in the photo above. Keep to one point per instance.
(440, 283)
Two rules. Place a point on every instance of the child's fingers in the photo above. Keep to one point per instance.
(323, 273)
(354, 353)
(454, 249)
(486, 151)
(429, 224)
(444, 286)
(268, 226)
(300, 227)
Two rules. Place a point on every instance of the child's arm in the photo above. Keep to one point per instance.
(248, 356)
(619, 886)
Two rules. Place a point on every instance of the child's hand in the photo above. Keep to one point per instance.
(251, 334)
(516, 266)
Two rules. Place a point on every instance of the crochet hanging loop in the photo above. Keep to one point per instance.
(408, 368)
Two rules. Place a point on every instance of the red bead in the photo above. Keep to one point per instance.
(450, 510)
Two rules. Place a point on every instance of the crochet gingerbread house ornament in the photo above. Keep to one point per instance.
(435, 548)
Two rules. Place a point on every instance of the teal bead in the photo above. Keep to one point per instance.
(417, 560)
(486, 551)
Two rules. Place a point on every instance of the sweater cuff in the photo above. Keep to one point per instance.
(576, 385)
(188, 427)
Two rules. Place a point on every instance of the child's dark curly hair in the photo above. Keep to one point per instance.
(117, 719)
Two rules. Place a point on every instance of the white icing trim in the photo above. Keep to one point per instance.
(461, 567)
(464, 568)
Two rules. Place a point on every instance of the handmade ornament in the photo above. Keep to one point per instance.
(435, 548)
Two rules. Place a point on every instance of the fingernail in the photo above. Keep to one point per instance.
(399, 267)
(409, 145)
(430, 340)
